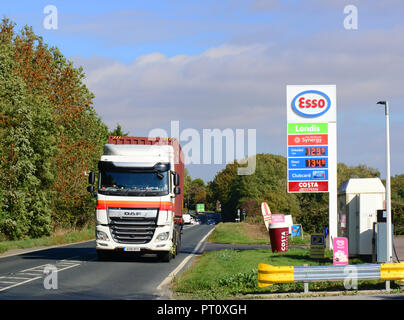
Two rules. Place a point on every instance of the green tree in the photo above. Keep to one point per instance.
(345, 172)
(118, 132)
(27, 143)
(268, 183)
(195, 191)
(397, 188)
(187, 185)
(221, 184)
(314, 206)
(397, 203)
(197, 195)
(50, 135)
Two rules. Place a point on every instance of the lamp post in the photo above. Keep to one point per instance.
(388, 191)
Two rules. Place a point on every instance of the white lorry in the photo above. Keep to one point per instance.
(139, 200)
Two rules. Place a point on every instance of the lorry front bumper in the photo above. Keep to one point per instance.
(154, 245)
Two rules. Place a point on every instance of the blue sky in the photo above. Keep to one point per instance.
(226, 64)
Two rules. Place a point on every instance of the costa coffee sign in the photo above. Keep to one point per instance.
(311, 103)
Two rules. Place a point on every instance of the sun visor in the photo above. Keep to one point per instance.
(132, 166)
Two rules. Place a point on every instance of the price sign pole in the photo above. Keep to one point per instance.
(312, 143)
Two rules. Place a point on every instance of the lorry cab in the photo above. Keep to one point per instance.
(139, 201)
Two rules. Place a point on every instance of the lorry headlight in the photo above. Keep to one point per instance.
(102, 236)
(163, 236)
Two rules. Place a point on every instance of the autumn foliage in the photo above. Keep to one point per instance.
(50, 136)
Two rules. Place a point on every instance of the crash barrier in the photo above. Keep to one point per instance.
(269, 275)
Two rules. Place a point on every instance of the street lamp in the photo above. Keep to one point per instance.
(388, 191)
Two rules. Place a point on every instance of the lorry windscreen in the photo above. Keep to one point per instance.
(123, 183)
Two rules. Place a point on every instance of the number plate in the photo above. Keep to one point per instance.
(131, 249)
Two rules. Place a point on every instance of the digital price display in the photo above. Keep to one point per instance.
(315, 163)
(308, 163)
(314, 151)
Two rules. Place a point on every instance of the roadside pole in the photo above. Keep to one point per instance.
(332, 184)
(388, 188)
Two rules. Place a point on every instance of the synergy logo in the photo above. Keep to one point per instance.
(311, 103)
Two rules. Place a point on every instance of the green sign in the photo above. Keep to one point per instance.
(200, 207)
(307, 128)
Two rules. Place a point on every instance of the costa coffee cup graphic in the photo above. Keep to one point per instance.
(279, 235)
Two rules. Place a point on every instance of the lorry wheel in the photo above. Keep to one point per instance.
(166, 256)
(104, 255)
(178, 246)
(174, 250)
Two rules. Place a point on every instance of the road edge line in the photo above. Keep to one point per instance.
(184, 262)
(30, 250)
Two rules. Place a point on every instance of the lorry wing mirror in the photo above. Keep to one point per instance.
(91, 177)
(177, 190)
(176, 179)
(90, 189)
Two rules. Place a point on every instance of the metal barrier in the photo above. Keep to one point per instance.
(392, 271)
(269, 275)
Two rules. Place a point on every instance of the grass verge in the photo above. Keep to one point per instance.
(232, 274)
(247, 233)
(61, 237)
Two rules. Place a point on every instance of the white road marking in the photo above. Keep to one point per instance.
(189, 226)
(19, 283)
(35, 273)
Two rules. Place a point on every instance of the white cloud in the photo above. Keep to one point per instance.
(234, 79)
(244, 86)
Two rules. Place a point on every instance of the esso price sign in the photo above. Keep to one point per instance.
(311, 103)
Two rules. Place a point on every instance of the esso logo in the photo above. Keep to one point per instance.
(311, 103)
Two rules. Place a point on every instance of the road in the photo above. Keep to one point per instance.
(81, 276)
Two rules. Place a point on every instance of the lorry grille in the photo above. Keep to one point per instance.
(132, 230)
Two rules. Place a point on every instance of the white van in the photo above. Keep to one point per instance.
(186, 218)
